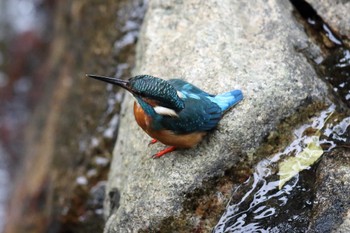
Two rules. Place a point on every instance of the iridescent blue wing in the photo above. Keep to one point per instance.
(202, 110)
(198, 115)
(187, 88)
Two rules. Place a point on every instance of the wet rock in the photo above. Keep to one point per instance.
(345, 226)
(218, 46)
(335, 13)
(331, 203)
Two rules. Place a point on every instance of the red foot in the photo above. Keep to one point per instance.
(163, 152)
(152, 141)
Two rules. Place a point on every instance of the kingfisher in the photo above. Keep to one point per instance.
(174, 112)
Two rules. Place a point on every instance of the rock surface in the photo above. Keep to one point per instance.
(332, 194)
(335, 13)
(217, 46)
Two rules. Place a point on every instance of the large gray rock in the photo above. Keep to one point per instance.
(218, 46)
(335, 13)
(345, 226)
(332, 206)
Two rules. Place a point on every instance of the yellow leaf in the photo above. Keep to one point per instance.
(293, 165)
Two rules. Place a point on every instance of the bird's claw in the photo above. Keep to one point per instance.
(163, 152)
(153, 141)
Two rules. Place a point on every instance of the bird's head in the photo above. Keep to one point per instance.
(156, 92)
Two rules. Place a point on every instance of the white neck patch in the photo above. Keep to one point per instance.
(165, 111)
(179, 93)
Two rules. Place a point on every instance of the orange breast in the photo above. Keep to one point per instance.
(142, 119)
(166, 136)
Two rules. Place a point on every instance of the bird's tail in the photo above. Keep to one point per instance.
(228, 99)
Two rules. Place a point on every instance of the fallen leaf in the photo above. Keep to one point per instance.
(293, 165)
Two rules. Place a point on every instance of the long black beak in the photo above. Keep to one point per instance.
(115, 81)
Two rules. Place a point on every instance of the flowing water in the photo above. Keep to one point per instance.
(260, 203)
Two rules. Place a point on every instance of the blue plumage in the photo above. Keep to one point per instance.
(174, 112)
(156, 89)
(202, 110)
(227, 99)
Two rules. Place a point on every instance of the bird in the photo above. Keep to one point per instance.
(174, 112)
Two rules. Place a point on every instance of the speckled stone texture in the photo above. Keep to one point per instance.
(331, 205)
(335, 13)
(218, 46)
